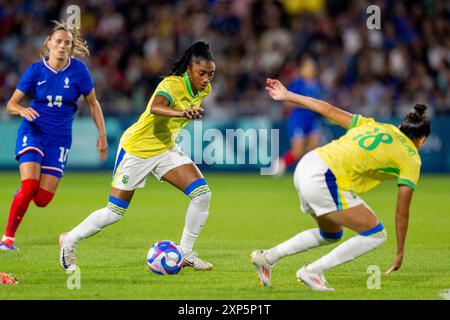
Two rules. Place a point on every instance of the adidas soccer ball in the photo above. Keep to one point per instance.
(165, 257)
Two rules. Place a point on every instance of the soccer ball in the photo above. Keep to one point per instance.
(165, 258)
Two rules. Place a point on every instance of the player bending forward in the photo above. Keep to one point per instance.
(148, 146)
(329, 179)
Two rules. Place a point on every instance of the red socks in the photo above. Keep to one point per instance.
(43, 197)
(28, 191)
(289, 158)
(20, 205)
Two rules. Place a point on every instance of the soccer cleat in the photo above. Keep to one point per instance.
(315, 281)
(193, 261)
(263, 267)
(7, 279)
(66, 255)
(8, 245)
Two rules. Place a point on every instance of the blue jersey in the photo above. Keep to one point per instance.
(305, 88)
(55, 94)
(303, 122)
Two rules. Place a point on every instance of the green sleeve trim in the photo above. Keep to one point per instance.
(354, 122)
(406, 182)
(167, 95)
(395, 171)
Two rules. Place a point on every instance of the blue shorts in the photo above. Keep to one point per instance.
(49, 151)
(300, 126)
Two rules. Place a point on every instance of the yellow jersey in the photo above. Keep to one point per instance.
(152, 135)
(369, 153)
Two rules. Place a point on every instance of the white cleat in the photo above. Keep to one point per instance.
(263, 267)
(193, 261)
(66, 255)
(315, 281)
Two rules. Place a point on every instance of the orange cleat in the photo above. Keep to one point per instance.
(7, 279)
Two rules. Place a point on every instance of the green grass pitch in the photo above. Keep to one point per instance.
(247, 212)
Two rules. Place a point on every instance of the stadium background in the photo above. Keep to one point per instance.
(380, 73)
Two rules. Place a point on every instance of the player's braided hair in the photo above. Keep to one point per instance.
(416, 124)
(79, 45)
(197, 52)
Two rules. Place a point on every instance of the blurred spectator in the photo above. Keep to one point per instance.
(133, 42)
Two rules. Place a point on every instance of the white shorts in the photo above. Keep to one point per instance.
(317, 188)
(131, 172)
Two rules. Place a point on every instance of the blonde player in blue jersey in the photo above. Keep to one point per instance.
(148, 147)
(329, 179)
(45, 135)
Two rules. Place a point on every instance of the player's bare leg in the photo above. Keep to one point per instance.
(30, 170)
(297, 148)
(188, 179)
(48, 182)
(311, 142)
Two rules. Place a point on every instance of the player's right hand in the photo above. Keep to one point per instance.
(102, 147)
(28, 113)
(396, 265)
(276, 89)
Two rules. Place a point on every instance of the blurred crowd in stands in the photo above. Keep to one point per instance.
(380, 72)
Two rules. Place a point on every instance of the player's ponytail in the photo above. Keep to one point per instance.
(197, 52)
(416, 124)
(79, 45)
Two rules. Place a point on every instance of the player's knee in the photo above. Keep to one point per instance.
(198, 191)
(331, 237)
(43, 197)
(377, 233)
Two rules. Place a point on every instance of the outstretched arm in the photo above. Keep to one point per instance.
(279, 92)
(404, 197)
(97, 116)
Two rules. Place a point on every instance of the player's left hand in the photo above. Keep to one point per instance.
(396, 265)
(102, 147)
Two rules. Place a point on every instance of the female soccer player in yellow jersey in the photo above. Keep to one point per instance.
(329, 179)
(148, 146)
